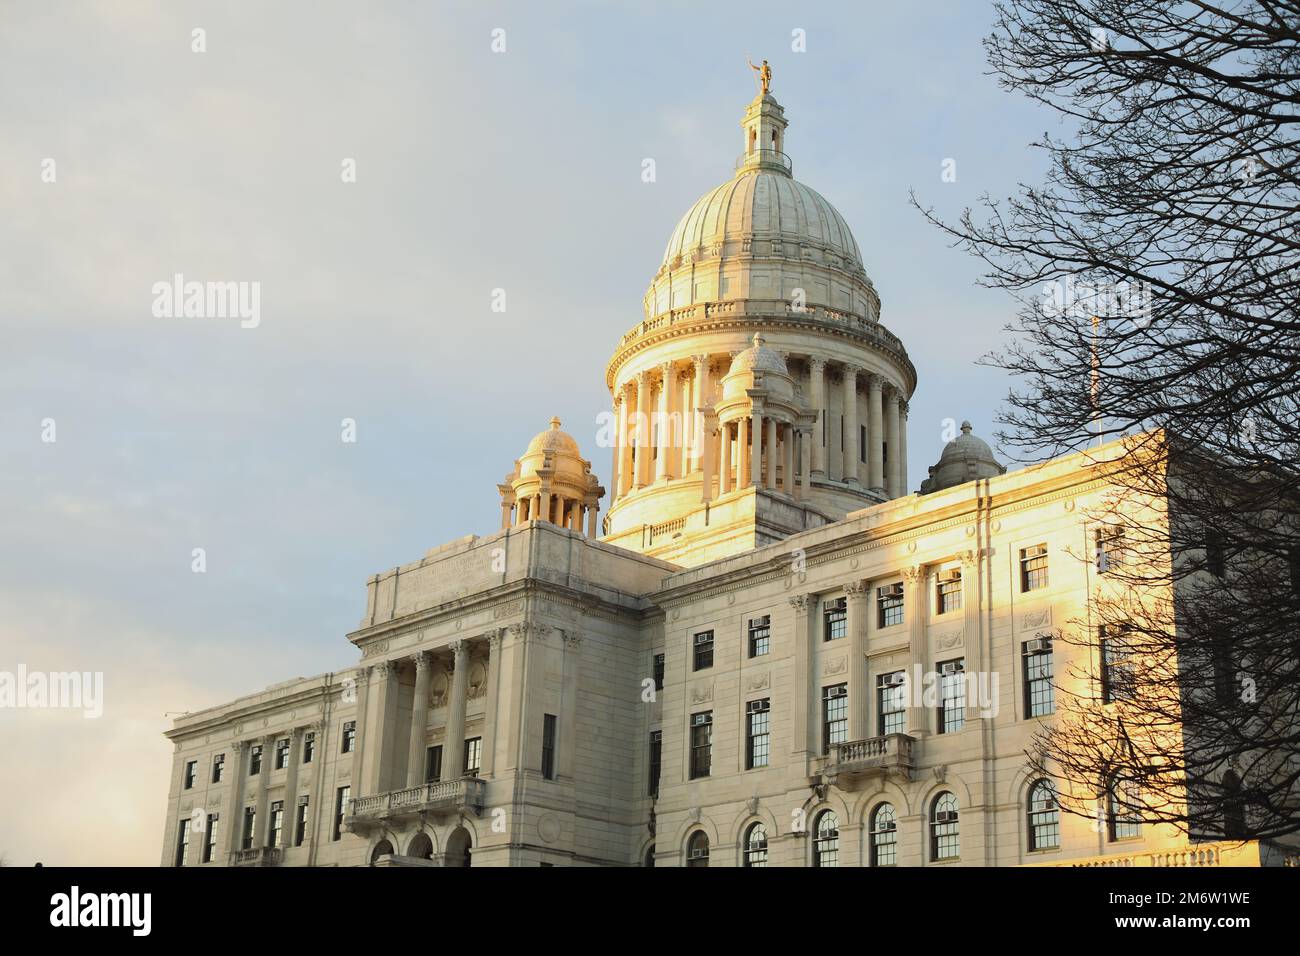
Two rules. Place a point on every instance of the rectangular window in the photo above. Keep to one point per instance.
(1039, 694)
(250, 827)
(340, 810)
(1108, 545)
(656, 758)
(277, 823)
(349, 736)
(835, 619)
(182, 842)
(757, 713)
(1033, 568)
(210, 837)
(889, 605)
(760, 635)
(254, 760)
(191, 767)
(952, 696)
(218, 767)
(948, 597)
(891, 702)
(473, 756)
(281, 754)
(300, 822)
(701, 744)
(1215, 562)
(1125, 817)
(433, 764)
(308, 746)
(1116, 665)
(835, 716)
(703, 650)
(659, 672)
(548, 746)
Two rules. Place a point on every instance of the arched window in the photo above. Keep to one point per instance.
(826, 841)
(756, 845)
(697, 849)
(421, 846)
(945, 841)
(1044, 816)
(1122, 816)
(884, 836)
(382, 848)
(1234, 811)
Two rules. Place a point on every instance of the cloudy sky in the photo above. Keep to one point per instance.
(475, 170)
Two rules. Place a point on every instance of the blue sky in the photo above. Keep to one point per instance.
(475, 170)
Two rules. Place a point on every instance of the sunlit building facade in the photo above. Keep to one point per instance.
(769, 651)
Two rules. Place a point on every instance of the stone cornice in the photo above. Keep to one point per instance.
(764, 321)
(905, 528)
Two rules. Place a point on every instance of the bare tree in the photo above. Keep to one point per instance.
(1157, 274)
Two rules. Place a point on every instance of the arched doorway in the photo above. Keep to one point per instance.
(421, 847)
(459, 846)
(382, 848)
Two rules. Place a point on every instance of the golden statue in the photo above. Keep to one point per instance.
(764, 74)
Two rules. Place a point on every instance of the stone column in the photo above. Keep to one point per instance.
(544, 504)
(706, 443)
(618, 447)
(801, 745)
(419, 720)
(681, 459)
(851, 425)
(918, 715)
(641, 463)
(626, 469)
(875, 458)
(362, 687)
(787, 459)
(902, 448)
(891, 436)
(806, 445)
(378, 769)
(505, 514)
(488, 758)
(742, 476)
(663, 467)
(756, 450)
(970, 603)
(234, 812)
(771, 454)
(453, 750)
(699, 433)
(593, 509)
(291, 786)
(262, 834)
(724, 458)
(817, 373)
(858, 605)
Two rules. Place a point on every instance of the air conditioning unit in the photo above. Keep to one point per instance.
(1039, 645)
(946, 816)
(952, 667)
(893, 680)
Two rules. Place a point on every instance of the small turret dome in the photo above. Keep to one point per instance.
(759, 357)
(551, 482)
(963, 459)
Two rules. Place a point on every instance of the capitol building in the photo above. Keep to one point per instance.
(746, 636)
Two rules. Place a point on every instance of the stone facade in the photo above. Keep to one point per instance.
(775, 654)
